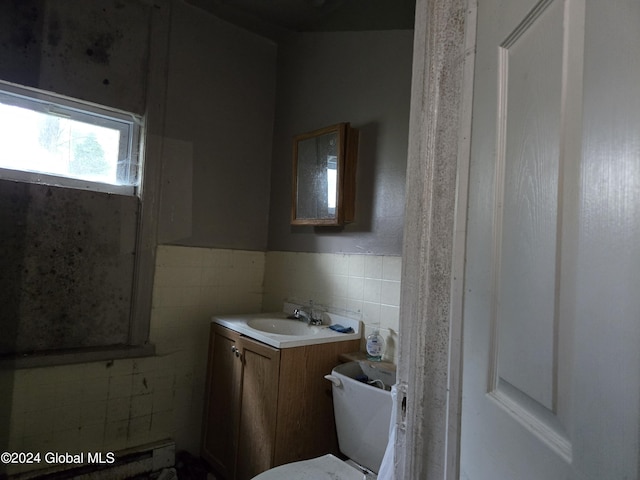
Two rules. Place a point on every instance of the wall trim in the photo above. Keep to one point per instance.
(430, 368)
(152, 147)
(73, 356)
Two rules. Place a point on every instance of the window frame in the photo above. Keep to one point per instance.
(129, 124)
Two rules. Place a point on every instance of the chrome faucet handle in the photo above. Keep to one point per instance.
(302, 315)
(310, 317)
(315, 318)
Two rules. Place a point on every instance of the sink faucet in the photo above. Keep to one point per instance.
(304, 316)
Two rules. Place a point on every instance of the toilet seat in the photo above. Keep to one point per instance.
(327, 467)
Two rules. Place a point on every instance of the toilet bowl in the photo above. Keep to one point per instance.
(326, 467)
(362, 412)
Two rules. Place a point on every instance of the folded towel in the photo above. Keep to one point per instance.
(341, 329)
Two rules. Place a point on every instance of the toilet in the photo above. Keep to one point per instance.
(362, 411)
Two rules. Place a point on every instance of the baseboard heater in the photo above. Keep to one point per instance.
(128, 463)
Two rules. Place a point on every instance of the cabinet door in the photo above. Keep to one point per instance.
(222, 404)
(306, 427)
(259, 399)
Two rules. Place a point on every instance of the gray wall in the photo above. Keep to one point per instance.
(358, 77)
(219, 125)
(225, 166)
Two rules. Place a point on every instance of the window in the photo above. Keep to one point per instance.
(71, 200)
(50, 139)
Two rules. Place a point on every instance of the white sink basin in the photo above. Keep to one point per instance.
(276, 330)
(282, 326)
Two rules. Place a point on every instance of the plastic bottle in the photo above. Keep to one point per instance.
(375, 346)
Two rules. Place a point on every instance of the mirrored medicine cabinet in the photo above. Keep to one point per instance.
(324, 176)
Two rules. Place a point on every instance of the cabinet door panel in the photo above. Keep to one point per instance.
(222, 406)
(259, 399)
(306, 427)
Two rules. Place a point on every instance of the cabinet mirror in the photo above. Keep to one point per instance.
(324, 176)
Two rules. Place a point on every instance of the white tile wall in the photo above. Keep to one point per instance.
(110, 406)
(366, 286)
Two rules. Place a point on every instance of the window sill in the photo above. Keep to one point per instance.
(69, 357)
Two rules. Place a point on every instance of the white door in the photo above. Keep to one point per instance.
(551, 372)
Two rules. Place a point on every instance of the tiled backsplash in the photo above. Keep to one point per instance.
(110, 406)
(364, 286)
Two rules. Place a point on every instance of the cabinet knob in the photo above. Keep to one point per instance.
(235, 350)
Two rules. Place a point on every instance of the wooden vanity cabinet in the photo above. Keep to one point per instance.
(266, 406)
(241, 404)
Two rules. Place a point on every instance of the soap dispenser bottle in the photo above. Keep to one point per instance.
(375, 346)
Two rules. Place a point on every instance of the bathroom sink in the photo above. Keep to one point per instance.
(283, 326)
(276, 330)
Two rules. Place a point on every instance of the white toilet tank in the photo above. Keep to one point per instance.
(362, 412)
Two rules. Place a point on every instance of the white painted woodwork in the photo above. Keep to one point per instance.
(428, 375)
(551, 313)
(527, 166)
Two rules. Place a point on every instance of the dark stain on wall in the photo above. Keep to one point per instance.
(100, 46)
(85, 42)
(20, 38)
(54, 33)
(11, 268)
(25, 34)
(104, 35)
(66, 270)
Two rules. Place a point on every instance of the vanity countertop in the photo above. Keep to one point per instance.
(276, 330)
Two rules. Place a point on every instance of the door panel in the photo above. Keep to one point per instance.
(527, 163)
(551, 382)
(222, 413)
(259, 400)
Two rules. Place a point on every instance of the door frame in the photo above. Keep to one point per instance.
(430, 354)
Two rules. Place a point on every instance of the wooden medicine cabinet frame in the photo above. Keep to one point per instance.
(314, 155)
